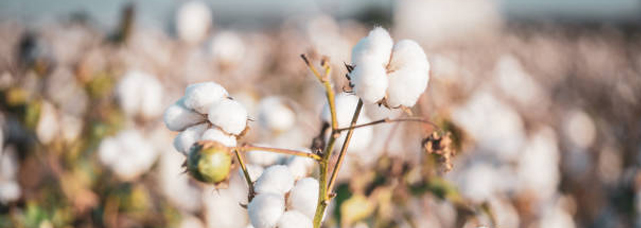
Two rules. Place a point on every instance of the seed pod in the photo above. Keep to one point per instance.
(209, 162)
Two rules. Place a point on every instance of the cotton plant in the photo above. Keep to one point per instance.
(128, 154)
(289, 192)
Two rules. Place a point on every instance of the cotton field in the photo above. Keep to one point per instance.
(415, 114)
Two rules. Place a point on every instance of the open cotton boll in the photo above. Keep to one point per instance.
(222, 210)
(193, 21)
(140, 93)
(294, 219)
(238, 184)
(187, 138)
(229, 115)
(174, 184)
(300, 167)
(276, 179)
(275, 115)
(227, 48)
(409, 74)
(215, 134)
(304, 197)
(201, 96)
(345, 107)
(263, 158)
(370, 81)
(9, 191)
(360, 139)
(376, 48)
(178, 117)
(127, 154)
(48, 127)
(265, 210)
(108, 151)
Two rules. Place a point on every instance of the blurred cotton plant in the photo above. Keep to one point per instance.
(289, 193)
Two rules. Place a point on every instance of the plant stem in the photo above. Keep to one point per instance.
(329, 90)
(247, 147)
(250, 184)
(388, 120)
(341, 155)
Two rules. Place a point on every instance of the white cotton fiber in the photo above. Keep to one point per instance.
(304, 197)
(140, 93)
(376, 48)
(300, 167)
(48, 127)
(222, 210)
(263, 158)
(229, 115)
(275, 115)
(265, 210)
(9, 191)
(409, 74)
(178, 117)
(193, 21)
(187, 138)
(370, 81)
(294, 219)
(215, 134)
(345, 107)
(276, 179)
(200, 96)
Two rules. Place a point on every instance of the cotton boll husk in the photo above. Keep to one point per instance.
(222, 210)
(227, 48)
(265, 210)
(229, 115)
(370, 81)
(294, 219)
(300, 167)
(538, 169)
(177, 117)
(175, 184)
(276, 179)
(48, 127)
(140, 94)
(187, 138)
(409, 74)
(304, 197)
(9, 191)
(215, 134)
(275, 115)
(201, 96)
(376, 48)
(193, 21)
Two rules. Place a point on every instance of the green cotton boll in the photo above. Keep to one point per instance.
(209, 162)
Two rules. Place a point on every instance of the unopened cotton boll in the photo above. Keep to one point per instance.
(140, 93)
(193, 21)
(304, 197)
(294, 219)
(201, 96)
(409, 74)
(376, 48)
(215, 134)
(265, 210)
(229, 115)
(276, 179)
(275, 115)
(178, 117)
(187, 138)
(370, 81)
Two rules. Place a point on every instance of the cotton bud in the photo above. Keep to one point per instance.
(275, 115)
(215, 134)
(201, 96)
(276, 179)
(187, 138)
(409, 74)
(294, 219)
(304, 197)
(229, 115)
(265, 210)
(376, 48)
(209, 162)
(140, 94)
(178, 117)
(370, 81)
(193, 21)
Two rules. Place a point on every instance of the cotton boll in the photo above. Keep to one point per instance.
(187, 138)
(276, 179)
(229, 115)
(175, 184)
(263, 158)
(238, 184)
(227, 48)
(71, 127)
(140, 94)
(300, 167)
(304, 197)
(189, 221)
(48, 127)
(193, 21)
(376, 48)
(178, 117)
(360, 140)
(478, 183)
(8, 164)
(127, 154)
(409, 74)
(294, 219)
(538, 170)
(580, 129)
(215, 134)
(275, 115)
(370, 81)
(265, 210)
(201, 96)
(345, 107)
(108, 151)
(222, 210)
(9, 191)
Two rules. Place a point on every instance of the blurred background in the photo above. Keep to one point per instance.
(542, 99)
